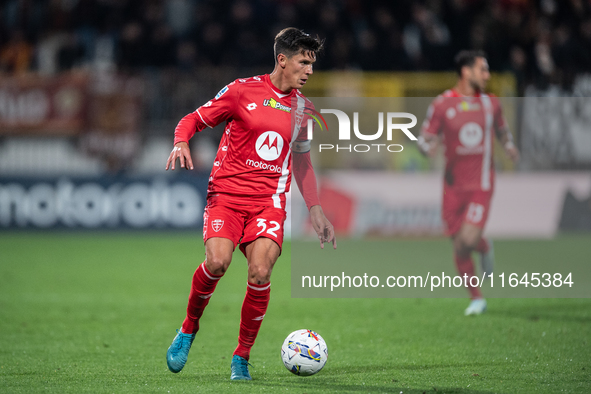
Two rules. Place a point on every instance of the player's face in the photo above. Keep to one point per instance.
(479, 74)
(298, 68)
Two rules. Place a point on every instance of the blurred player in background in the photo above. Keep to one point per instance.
(246, 192)
(466, 119)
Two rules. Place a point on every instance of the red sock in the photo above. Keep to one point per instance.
(482, 245)
(465, 265)
(202, 288)
(254, 308)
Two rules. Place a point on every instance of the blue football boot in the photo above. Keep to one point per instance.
(240, 369)
(177, 353)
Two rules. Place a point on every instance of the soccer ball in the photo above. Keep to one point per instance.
(304, 352)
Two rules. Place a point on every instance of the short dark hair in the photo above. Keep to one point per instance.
(291, 41)
(467, 58)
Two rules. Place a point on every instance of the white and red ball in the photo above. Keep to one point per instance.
(304, 352)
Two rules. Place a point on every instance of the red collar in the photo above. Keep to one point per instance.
(454, 93)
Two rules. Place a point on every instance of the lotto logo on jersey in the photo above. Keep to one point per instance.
(269, 145)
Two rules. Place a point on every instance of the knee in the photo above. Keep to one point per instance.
(218, 264)
(464, 245)
(260, 273)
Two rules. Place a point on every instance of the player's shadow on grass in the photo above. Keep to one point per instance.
(316, 385)
(325, 382)
(356, 369)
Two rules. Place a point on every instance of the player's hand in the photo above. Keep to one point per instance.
(512, 152)
(428, 145)
(322, 226)
(432, 149)
(182, 152)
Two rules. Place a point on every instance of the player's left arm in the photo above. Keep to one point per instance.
(324, 229)
(504, 135)
(306, 180)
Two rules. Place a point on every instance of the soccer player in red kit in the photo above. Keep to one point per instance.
(246, 192)
(466, 120)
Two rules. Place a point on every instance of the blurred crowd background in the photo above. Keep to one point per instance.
(113, 77)
(540, 41)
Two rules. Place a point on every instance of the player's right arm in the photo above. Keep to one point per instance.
(210, 114)
(428, 144)
(182, 152)
(428, 140)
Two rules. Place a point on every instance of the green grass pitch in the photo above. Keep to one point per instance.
(95, 312)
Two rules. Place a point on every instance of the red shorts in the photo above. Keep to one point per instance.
(243, 223)
(471, 206)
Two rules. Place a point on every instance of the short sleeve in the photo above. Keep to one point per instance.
(221, 107)
(433, 120)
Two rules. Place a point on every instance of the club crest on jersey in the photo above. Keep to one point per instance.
(217, 224)
(269, 145)
(271, 102)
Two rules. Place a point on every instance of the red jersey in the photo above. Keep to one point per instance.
(467, 125)
(253, 161)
